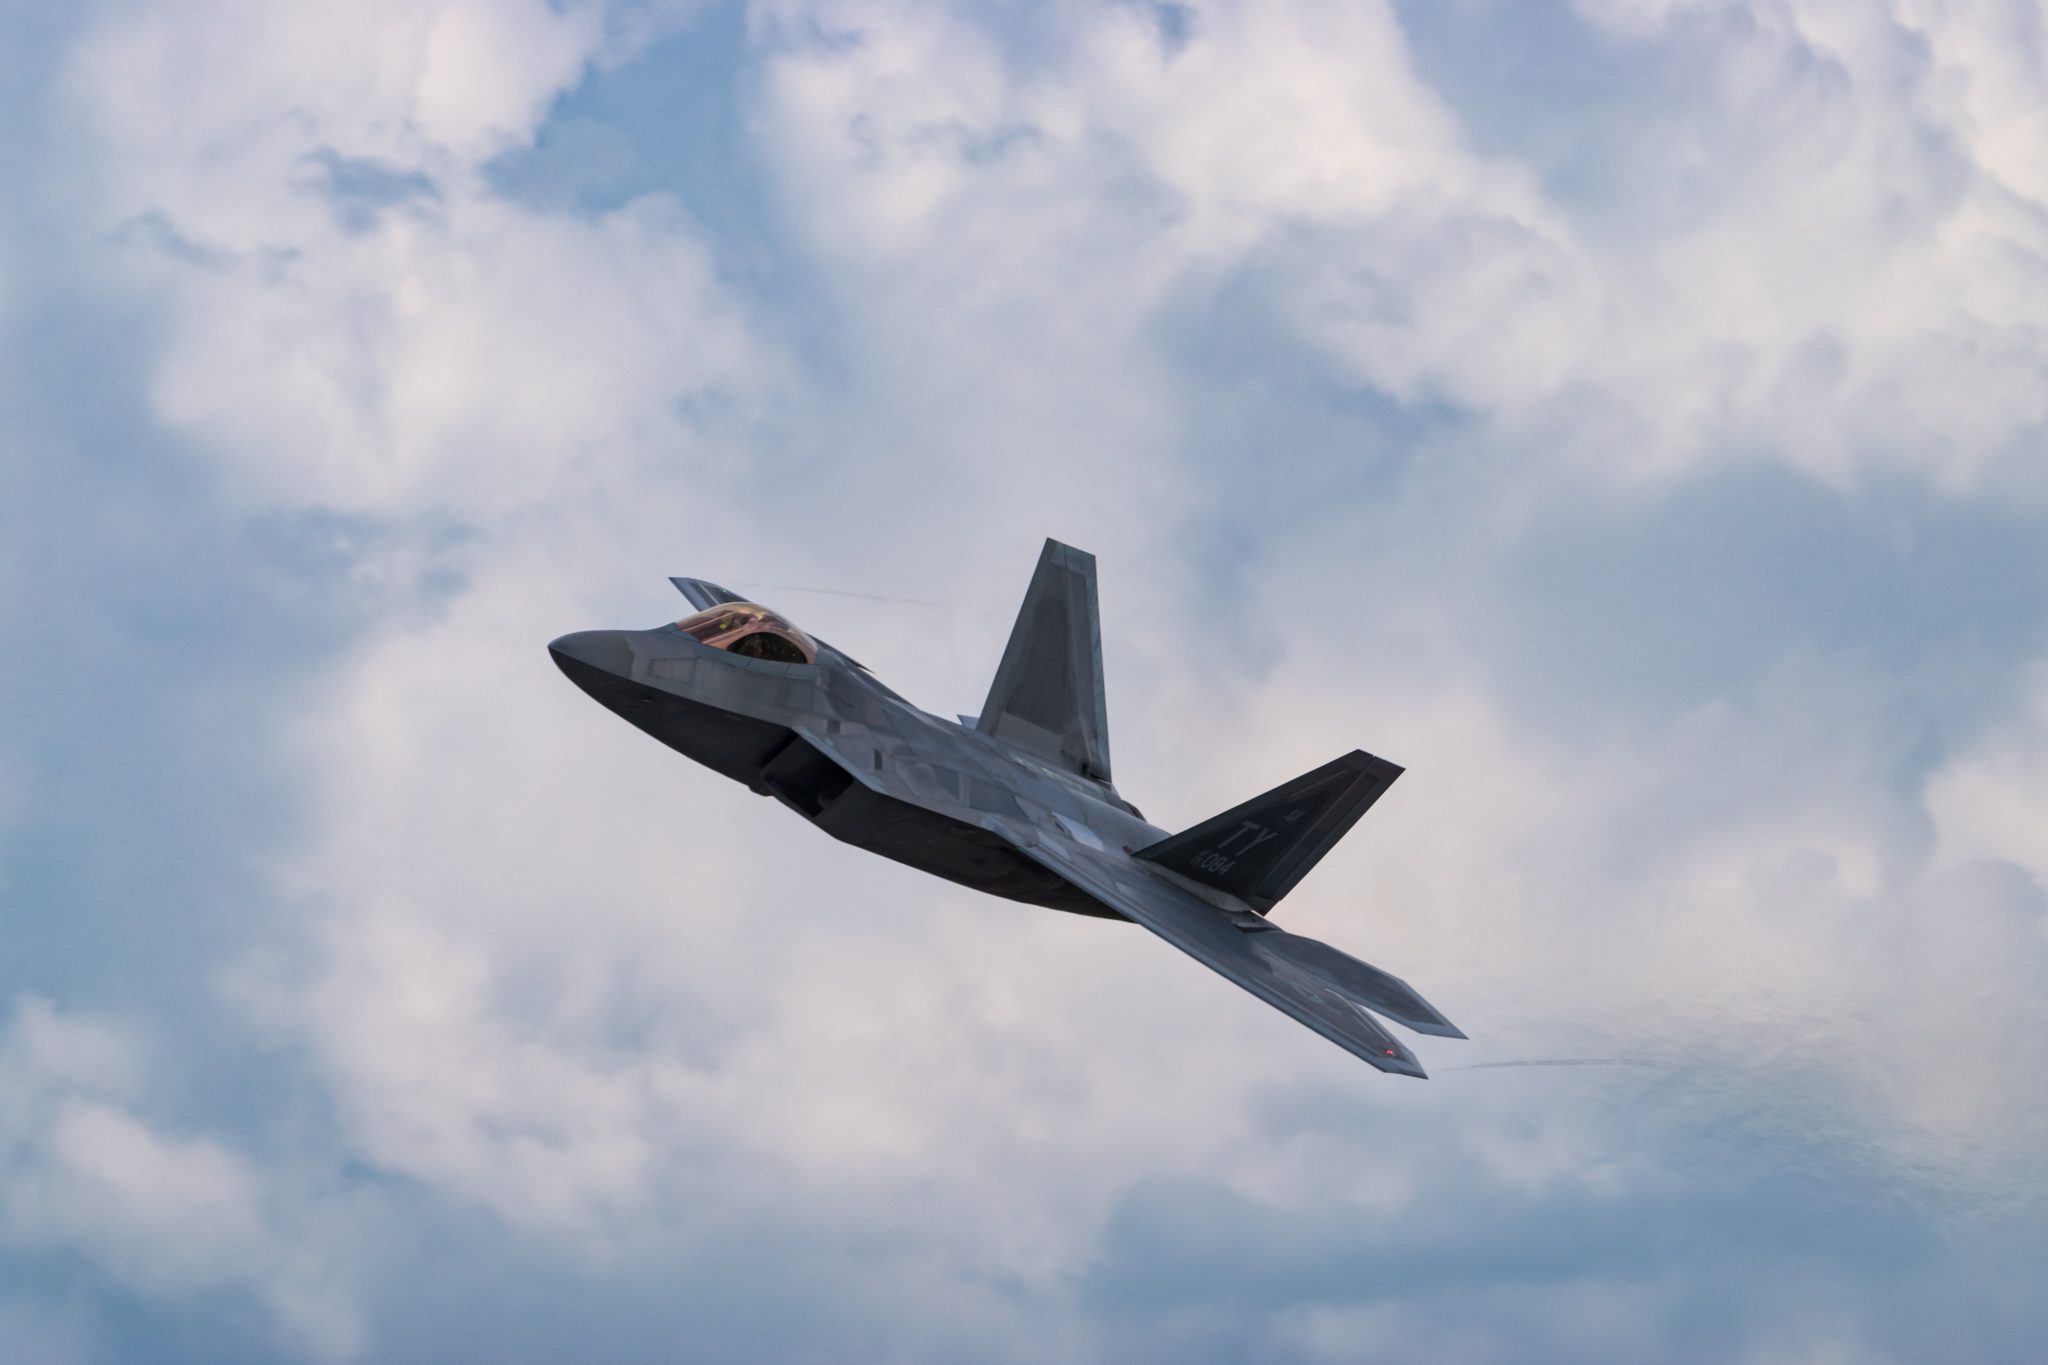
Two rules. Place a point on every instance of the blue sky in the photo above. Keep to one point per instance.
(1626, 414)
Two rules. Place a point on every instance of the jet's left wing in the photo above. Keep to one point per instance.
(1301, 977)
(705, 595)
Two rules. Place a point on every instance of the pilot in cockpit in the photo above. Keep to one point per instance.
(751, 631)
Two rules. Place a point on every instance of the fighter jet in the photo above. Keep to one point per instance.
(1017, 801)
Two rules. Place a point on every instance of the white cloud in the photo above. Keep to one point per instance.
(205, 115)
(489, 357)
(82, 1171)
(405, 356)
(1830, 271)
(558, 974)
(1751, 883)
(1853, 291)
(1991, 800)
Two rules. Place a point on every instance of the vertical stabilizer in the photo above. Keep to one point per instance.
(1047, 699)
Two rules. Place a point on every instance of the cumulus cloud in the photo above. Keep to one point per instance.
(1991, 799)
(1828, 265)
(551, 975)
(354, 321)
(1857, 242)
(81, 1171)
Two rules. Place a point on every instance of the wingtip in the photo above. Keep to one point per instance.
(1397, 1061)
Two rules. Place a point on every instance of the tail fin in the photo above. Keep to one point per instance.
(1047, 697)
(1259, 850)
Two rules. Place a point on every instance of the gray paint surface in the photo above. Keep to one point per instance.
(1019, 803)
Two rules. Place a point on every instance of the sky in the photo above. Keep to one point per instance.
(1627, 415)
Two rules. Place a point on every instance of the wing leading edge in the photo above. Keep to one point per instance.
(705, 595)
(1303, 978)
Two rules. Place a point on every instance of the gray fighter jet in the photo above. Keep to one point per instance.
(1016, 802)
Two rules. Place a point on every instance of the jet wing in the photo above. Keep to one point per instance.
(1301, 977)
(705, 595)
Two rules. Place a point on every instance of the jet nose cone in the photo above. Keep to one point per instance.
(603, 650)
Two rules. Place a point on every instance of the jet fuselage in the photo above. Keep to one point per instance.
(755, 721)
(1017, 801)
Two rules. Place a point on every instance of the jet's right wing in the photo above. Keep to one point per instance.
(1329, 991)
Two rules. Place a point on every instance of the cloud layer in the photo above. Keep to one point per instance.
(1651, 466)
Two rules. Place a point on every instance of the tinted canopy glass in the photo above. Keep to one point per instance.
(755, 632)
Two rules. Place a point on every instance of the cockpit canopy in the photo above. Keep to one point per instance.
(755, 632)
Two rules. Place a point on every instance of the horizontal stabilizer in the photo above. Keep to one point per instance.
(1259, 850)
(704, 596)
